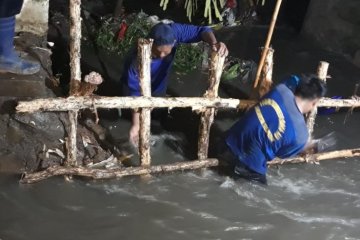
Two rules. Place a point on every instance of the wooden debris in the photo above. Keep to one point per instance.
(207, 117)
(115, 173)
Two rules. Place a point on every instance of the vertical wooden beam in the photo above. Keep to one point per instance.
(75, 74)
(266, 75)
(71, 159)
(144, 66)
(265, 80)
(75, 45)
(322, 71)
(207, 117)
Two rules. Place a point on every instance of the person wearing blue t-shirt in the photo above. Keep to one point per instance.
(275, 127)
(166, 38)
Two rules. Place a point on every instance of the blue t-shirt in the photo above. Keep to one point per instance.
(273, 128)
(160, 68)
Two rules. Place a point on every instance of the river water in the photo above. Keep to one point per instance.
(302, 201)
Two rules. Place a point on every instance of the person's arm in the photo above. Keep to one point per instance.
(209, 37)
(135, 127)
(133, 89)
(185, 33)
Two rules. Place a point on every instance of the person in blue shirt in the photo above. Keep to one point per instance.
(275, 127)
(166, 38)
(9, 58)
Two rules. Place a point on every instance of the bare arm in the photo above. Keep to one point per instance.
(134, 130)
(210, 38)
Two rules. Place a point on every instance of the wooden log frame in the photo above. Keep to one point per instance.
(322, 71)
(116, 173)
(144, 62)
(207, 117)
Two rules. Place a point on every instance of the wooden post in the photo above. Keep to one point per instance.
(322, 74)
(267, 43)
(144, 61)
(75, 45)
(207, 117)
(71, 159)
(75, 74)
(265, 81)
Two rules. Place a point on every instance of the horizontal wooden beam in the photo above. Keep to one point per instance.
(115, 173)
(197, 103)
(347, 153)
(76, 103)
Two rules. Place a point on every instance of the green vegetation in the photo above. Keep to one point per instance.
(106, 37)
(188, 57)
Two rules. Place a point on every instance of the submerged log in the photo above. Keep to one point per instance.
(115, 173)
(207, 117)
(322, 74)
(75, 46)
(144, 63)
(348, 153)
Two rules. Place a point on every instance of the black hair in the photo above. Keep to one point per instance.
(310, 87)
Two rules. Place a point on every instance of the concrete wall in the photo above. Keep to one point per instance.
(335, 24)
(34, 17)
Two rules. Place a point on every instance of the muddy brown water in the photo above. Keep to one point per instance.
(302, 201)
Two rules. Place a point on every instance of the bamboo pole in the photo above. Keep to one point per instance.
(348, 153)
(75, 74)
(207, 117)
(196, 103)
(322, 74)
(144, 67)
(115, 173)
(267, 43)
